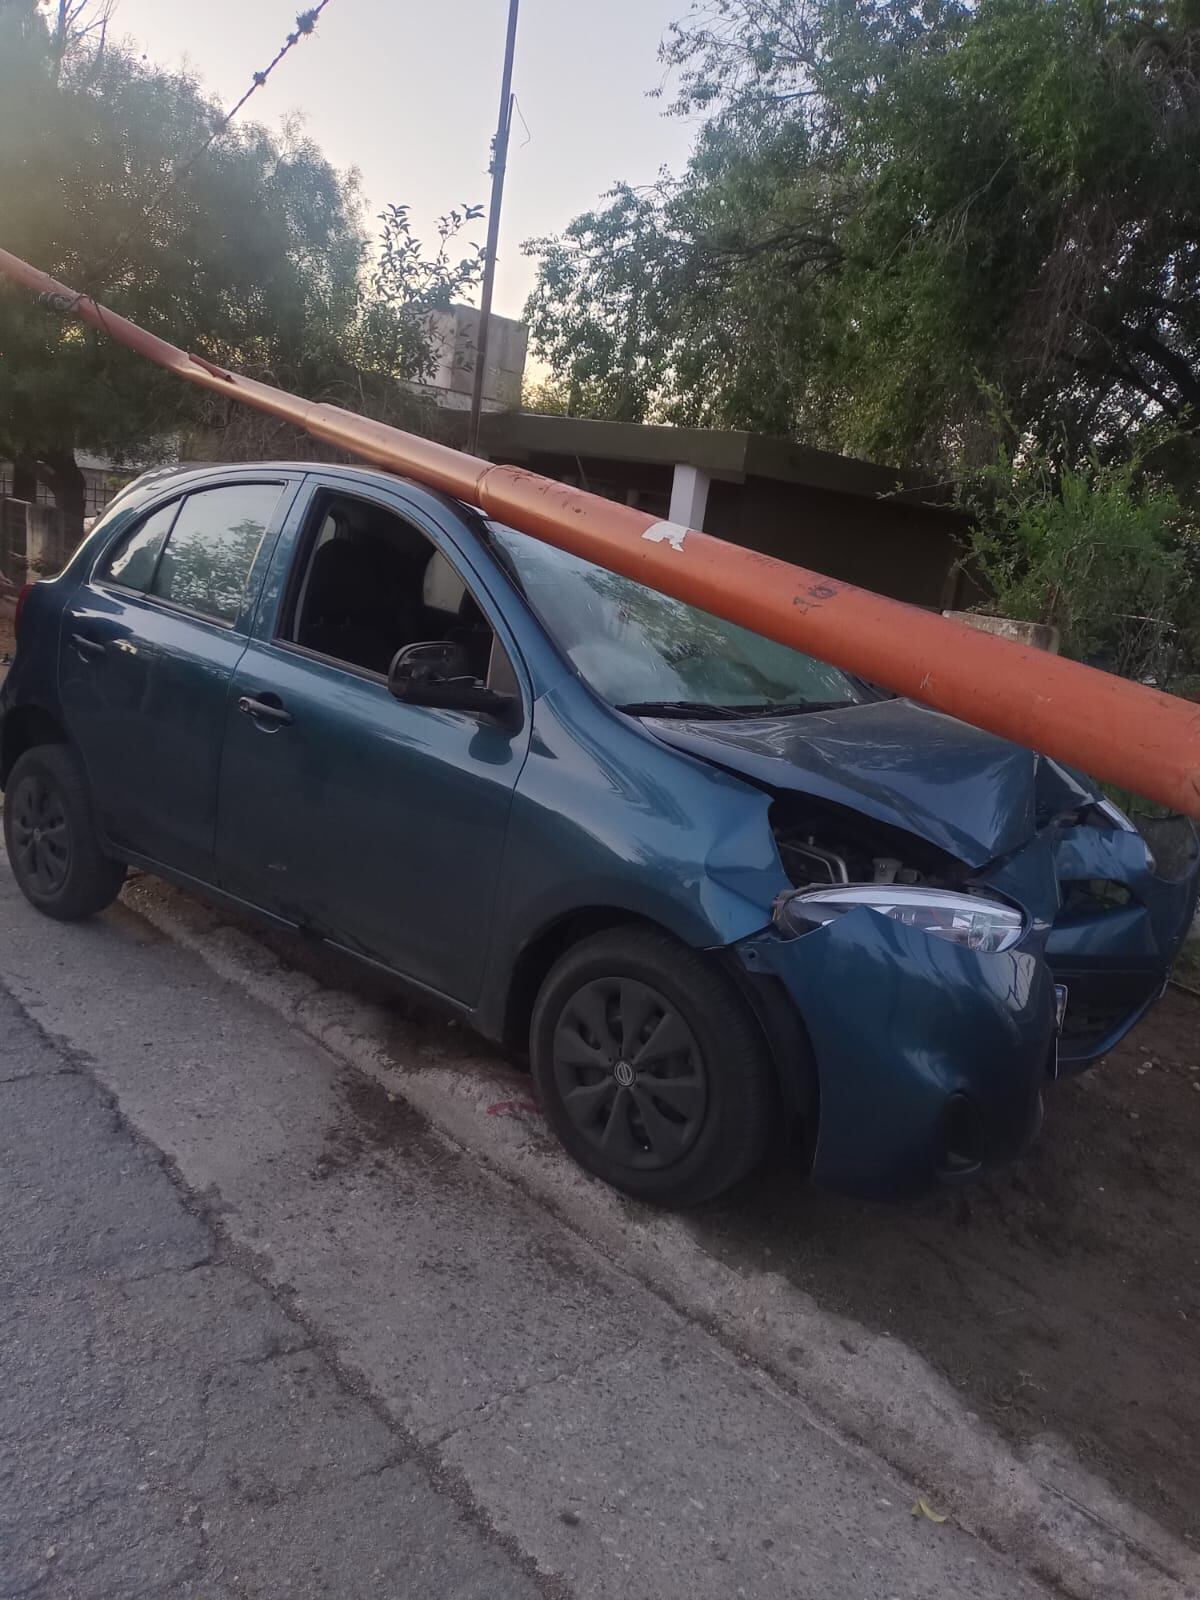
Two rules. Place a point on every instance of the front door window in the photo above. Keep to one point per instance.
(372, 583)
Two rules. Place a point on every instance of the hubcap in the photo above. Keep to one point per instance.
(40, 836)
(630, 1073)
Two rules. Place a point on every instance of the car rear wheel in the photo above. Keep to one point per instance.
(52, 843)
(651, 1068)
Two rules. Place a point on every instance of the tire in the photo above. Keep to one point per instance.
(651, 1068)
(53, 847)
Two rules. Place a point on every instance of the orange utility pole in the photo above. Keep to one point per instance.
(1115, 730)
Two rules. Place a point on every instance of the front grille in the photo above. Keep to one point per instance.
(1100, 1006)
(1092, 897)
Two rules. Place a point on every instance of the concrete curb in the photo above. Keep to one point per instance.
(1038, 1505)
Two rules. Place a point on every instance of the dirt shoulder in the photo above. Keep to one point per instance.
(1063, 1295)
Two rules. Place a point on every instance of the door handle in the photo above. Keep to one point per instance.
(89, 649)
(265, 711)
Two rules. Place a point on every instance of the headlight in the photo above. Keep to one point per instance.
(972, 921)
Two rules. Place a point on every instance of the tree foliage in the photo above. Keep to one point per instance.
(1104, 551)
(602, 311)
(886, 205)
(254, 254)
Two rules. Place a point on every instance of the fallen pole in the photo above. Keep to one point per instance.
(1120, 732)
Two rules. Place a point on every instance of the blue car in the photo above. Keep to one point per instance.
(723, 896)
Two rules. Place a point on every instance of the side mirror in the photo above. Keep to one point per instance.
(436, 661)
(436, 675)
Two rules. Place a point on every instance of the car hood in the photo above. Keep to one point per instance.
(966, 791)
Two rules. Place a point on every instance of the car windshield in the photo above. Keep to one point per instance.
(643, 650)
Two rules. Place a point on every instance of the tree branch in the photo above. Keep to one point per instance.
(1172, 362)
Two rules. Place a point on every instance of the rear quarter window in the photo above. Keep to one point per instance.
(132, 562)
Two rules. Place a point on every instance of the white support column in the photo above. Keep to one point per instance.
(689, 496)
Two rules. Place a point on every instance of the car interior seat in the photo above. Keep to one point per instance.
(453, 613)
(349, 611)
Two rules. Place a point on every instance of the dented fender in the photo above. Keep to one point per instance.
(899, 1022)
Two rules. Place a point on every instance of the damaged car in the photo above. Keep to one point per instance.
(723, 897)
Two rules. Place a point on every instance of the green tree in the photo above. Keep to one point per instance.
(601, 310)
(1103, 551)
(888, 204)
(369, 362)
(255, 254)
(548, 397)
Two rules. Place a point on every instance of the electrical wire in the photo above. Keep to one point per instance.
(305, 24)
(516, 106)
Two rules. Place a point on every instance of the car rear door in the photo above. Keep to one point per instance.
(148, 647)
(375, 824)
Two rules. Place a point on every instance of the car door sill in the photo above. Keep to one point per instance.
(184, 880)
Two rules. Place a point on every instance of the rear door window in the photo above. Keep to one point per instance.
(207, 559)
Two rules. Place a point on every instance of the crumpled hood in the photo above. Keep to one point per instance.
(966, 791)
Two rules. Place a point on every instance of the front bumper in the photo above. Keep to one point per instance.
(919, 1046)
(1114, 958)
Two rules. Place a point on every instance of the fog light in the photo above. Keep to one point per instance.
(962, 1136)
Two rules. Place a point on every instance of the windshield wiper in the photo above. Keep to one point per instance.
(678, 708)
(793, 708)
(758, 710)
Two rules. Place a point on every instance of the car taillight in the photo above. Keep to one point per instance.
(21, 599)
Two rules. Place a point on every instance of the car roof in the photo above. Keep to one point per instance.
(163, 477)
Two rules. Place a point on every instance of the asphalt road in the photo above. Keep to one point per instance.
(168, 1428)
(263, 1333)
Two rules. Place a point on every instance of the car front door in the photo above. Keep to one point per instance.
(376, 824)
(148, 647)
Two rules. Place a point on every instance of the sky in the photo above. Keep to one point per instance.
(407, 91)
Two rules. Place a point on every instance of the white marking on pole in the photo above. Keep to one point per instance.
(672, 533)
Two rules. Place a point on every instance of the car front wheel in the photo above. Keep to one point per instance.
(51, 839)
(651, 1068)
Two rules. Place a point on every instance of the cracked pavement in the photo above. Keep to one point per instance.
(167, 1428)
(263, 1333)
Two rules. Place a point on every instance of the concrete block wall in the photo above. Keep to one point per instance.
(36, 541)
(1039, 635)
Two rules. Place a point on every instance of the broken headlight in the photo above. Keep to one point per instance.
(973, 921)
